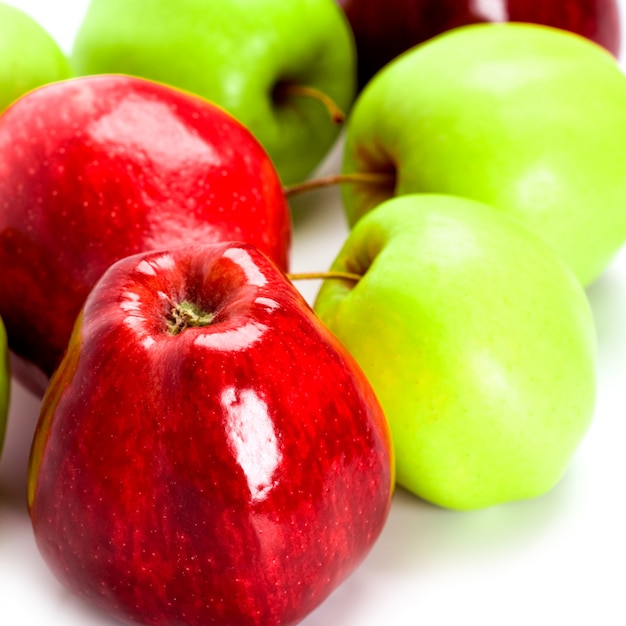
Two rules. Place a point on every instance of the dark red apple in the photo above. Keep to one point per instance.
(207, 452)
(385, 28)
(97, 168)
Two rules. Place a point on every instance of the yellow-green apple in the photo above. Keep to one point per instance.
(526, 118)
(253, 58)
(29, 56)
(478, 340)
(207, 452)
(93, 169)
(385, 29)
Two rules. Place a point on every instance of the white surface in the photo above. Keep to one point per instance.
(559, 559)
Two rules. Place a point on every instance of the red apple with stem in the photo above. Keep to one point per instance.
(207, 452)
(384, 29)
(97, 168)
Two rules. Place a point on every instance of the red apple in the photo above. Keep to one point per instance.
(385, 28)
(207, 452)
(97, 168)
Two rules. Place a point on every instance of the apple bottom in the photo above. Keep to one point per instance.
(273, 576)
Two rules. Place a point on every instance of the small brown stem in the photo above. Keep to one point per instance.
(187, 315)
(375, 178)
(329, 275)
(287, 89)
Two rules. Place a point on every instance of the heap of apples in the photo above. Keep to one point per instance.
(212, 450)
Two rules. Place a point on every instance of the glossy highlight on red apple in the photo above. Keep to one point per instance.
(97, 168)
(384, 29)
(207, 452)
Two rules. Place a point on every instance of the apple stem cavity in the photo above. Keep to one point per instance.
(329, 275)
(187, 315)
(287, 89)
(374, 178)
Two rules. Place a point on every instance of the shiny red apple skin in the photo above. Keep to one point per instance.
(230, 474)
(384, 29)
(97, 168)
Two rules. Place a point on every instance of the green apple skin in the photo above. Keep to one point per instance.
(29, 56)
(478, 341)
(522, 117)
(235, 53)
(5, 383)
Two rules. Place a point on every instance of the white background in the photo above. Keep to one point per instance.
(556, 560)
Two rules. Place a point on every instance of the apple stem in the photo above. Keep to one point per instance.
(286, 89)
(338, 179)
(329, 275)
(187, 315)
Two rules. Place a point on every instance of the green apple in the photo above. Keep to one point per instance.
(245, 56)
(526, 118)
(29, 56)
(478, 340)
(5, 382)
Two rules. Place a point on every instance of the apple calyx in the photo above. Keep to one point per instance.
(373, 178)
(287, 89)
(329, 275)
(187, 315)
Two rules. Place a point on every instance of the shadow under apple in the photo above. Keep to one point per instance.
(420, 541)
(21, 423)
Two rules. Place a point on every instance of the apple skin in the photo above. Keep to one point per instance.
(235, 53)
(384, 30)
(5, 383)
(502, 114)
(229, 474)
(94, 169)
(29, 56)
(478, 341)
